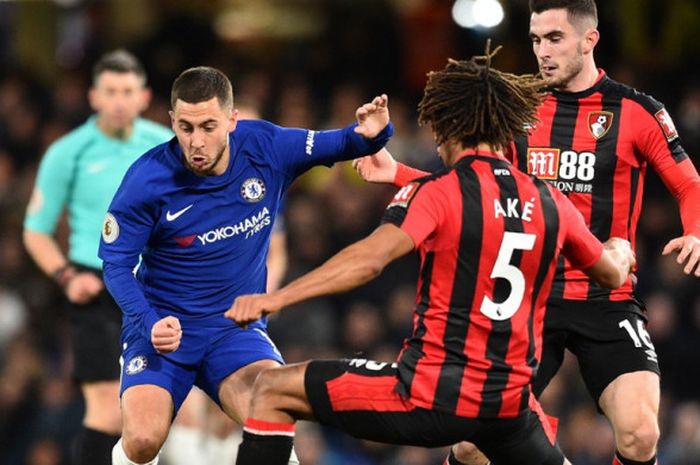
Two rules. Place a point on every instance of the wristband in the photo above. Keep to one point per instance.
(63, 275)
(406, 174)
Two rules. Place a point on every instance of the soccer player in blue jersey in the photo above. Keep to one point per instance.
(80, 172)
(199, 211)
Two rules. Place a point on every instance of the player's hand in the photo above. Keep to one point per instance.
(83, 287)
(380, 167)
(372, 117)
(622, 249)
(688, 248)
(166, 335)
(249, 308)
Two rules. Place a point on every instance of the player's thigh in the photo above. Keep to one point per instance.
(95, 333)
(554, 340)
(611, 343)
(142, 365)
(101, 395)
(631, 400)
(508, 441)
(238, 352)
(281, 389)
(147, 411)
(236, 390)
(359, 397)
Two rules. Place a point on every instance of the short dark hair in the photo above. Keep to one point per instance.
(575, 9)
(200, 84)
(473, 103)
(118, 61)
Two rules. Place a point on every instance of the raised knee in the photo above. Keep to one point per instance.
(266, 383)
(141, 448)
(639, 443)
(466, 452)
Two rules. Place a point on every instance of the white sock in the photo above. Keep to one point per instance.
(293, 459)
(184, 446)
(223, 450)
(119, 456)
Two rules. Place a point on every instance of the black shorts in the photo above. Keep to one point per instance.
(361, 401)
(608, 339)
(95, 332)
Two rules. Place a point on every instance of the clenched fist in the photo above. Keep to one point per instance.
(166, 335)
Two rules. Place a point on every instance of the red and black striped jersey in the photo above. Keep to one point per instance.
(488, 237)
(595, 146)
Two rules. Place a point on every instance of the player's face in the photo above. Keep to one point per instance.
(558, 46)
(202, 130)
(118, 98)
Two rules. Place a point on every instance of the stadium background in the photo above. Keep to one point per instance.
(309, 63)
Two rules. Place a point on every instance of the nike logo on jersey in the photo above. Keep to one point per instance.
(173, 216)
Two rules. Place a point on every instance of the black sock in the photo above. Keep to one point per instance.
(626, 461)
(270, 450)
(94, 447)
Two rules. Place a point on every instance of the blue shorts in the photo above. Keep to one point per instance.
(206, 356)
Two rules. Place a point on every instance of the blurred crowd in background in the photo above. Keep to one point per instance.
(310, 63)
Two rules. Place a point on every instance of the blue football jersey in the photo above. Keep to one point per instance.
(202, 241)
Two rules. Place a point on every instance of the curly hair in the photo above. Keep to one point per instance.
(473, 103)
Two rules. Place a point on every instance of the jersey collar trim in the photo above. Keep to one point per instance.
(479, 153)
(602, 79)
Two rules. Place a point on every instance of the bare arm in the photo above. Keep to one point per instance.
(381, 167)
(79, 287)
(684, 183)
(44, 251)
(614, 265)
(348, 269)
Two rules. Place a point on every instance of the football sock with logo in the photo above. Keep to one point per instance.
(265, 442)
(119, 456)
(93, 447)
(620, 460)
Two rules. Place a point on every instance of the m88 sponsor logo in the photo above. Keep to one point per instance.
(568, 170)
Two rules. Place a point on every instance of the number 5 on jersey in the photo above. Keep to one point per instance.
(503, 269)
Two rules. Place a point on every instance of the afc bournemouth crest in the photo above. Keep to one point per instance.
(253, 190)
(599, 123)
(110, 229)
(136, 365)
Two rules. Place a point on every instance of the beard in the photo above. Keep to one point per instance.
(569, 72)
(205, 171)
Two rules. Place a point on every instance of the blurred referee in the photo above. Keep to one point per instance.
(80, 172)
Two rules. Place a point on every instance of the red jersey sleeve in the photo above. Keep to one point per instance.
(657, 141)
(416, 210)
(405, 174)
(580, 246)
(684, 183)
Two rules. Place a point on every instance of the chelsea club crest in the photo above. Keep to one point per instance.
(136, 365)
(253, 190)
